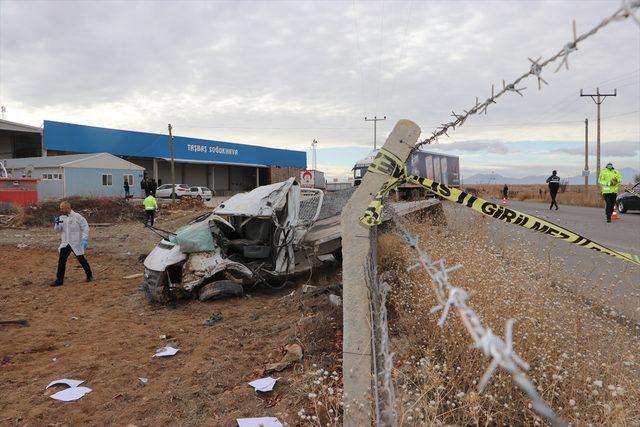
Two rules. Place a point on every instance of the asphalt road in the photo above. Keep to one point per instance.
(590, 222)
(604, 280)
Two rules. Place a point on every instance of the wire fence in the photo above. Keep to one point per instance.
(626, 10)
(500, 351)
(449, 297)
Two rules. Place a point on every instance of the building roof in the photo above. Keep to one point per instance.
(104, 160)
(89, 139)
(18, 127)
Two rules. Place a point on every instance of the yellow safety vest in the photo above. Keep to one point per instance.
(150, 204)
(610, 180)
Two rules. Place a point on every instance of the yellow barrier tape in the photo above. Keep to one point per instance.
(387, 163)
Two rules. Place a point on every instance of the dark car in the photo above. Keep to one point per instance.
(629, 200)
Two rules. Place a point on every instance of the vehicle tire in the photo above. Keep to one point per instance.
(220, 289)
(156, 287)
(621, 207)
(199, 197)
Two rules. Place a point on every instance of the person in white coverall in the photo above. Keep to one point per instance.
(74, 234)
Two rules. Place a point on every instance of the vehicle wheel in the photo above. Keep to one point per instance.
(621, 207)
(220, 289)
(199, 197)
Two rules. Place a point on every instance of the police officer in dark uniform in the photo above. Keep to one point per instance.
(554, 185)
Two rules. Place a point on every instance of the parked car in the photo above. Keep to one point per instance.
(182, 190)
(202, 193)
(630, 199)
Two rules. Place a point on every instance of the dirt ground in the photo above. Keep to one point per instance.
(105, 333)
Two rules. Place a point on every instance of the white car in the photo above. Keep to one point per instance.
(202, 193)
(165, 190)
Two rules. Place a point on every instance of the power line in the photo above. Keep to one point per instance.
(375, 121)
(598, 98)
(625, 11)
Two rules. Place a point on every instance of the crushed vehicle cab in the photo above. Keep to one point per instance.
(250, 238)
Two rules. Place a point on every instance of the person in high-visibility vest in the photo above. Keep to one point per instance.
(150, 206)
(609, 181)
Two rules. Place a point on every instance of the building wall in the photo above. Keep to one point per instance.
(221, 179)
(88, 182)
(279, 174)
(6, 146)
(47, 189)
(242, 178)
(195, 175)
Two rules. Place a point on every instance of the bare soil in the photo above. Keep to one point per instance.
(105, 333)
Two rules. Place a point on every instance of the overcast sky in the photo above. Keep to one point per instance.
(283, 73)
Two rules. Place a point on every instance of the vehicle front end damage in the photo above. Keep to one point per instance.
(250, 238)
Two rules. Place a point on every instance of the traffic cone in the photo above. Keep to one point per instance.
(504, 201)
(614, 215)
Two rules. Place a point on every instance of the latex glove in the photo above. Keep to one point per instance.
(84, 243)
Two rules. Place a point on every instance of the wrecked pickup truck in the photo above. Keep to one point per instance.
(263, 236)
(250, 238)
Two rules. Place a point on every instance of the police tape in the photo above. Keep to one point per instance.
(386, 163)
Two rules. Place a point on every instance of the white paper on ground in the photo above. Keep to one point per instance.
(165, 351)
(143, 380)
(264, 384)
(70, 383)
(259, 422)
(70, 394)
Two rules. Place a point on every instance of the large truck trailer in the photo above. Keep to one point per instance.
(443, 168)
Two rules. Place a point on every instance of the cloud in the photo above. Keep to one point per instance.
(495, 147)
(613, 149)
(283, 73)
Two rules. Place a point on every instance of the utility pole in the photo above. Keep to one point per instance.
(173, 169)
(313, 152)
(375, 121)
(598, 98)
(585, 173)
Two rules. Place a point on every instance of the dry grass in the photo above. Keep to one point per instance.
(574, 194)
(584, 364)
(94, 209)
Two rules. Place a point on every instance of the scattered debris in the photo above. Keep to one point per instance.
(335, 300)
(133, 276)
(22, 322)
(215, 318)
(143, 380)
(166, 351)
(70, 383)
(259, 422)
(74, 318)
(22, 246)
(264, 384)
(293, 354)
(70, 394)
(312, 291)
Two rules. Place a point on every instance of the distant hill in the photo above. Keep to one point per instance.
(491, 178)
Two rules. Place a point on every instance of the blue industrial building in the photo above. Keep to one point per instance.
(223, 166)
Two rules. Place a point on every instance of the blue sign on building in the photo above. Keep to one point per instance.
(74, 138)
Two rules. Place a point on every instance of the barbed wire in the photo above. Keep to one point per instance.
(498, 350)
(626, 10)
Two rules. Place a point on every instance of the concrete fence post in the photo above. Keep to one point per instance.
(356, 248)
